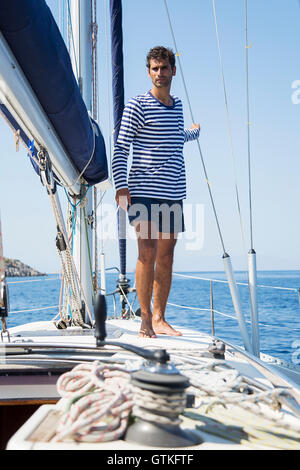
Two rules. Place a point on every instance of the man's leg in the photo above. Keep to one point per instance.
(162, 284)
(144, 276)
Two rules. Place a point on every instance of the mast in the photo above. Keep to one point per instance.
(80, 12)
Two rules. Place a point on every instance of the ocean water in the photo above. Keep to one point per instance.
(36, 299)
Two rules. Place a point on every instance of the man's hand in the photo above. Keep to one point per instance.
(195, 126)
(123, 198)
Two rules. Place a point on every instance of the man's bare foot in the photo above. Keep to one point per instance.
(146, 330)
(161, 327)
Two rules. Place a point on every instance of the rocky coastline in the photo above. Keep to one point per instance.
(15, 268)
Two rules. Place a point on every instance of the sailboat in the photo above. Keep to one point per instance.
(87, 381)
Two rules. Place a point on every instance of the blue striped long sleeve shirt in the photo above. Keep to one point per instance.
(157, 135)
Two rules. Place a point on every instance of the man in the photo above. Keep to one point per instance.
(153, 124)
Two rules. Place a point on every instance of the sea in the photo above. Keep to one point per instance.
(191, 299)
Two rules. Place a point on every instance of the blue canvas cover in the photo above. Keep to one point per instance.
(117, 64)
(35, 40)
(118, 105)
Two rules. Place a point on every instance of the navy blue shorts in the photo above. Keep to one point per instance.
(165, 213)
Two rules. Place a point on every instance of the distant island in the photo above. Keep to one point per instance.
(15, 268)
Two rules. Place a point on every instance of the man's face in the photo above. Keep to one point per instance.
(161, 73)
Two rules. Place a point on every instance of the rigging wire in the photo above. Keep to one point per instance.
(77, 285)
(193, 120)
(226, 257)
(229, 126)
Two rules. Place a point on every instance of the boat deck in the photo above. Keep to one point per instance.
(38, 353)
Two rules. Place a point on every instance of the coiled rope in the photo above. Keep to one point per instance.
(228, 407)
(158, 408)
(99, 401)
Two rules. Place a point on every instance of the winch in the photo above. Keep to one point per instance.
(158, 394)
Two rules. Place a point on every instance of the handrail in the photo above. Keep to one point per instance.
(34, 280)
(227, 315)
(186, 307)
(292, 289)
(239, 283)
(213, 311)
(36, 309)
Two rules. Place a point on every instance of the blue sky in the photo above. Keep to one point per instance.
(273, 33)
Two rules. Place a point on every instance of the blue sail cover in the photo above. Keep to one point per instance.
(117, 63)
(35, 40)
(118, 105)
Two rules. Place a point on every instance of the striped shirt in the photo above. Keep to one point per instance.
(157, 135)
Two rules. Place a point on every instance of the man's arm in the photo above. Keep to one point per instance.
(132, 120)
(192, 133)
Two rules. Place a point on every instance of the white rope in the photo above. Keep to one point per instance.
(72, 294)
(99, 399)
(99, 403)
(158, 408)
(69, 257)
(218, 385)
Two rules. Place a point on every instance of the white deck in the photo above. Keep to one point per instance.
(125, 331)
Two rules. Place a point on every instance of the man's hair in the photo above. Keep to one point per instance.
(161, 53)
